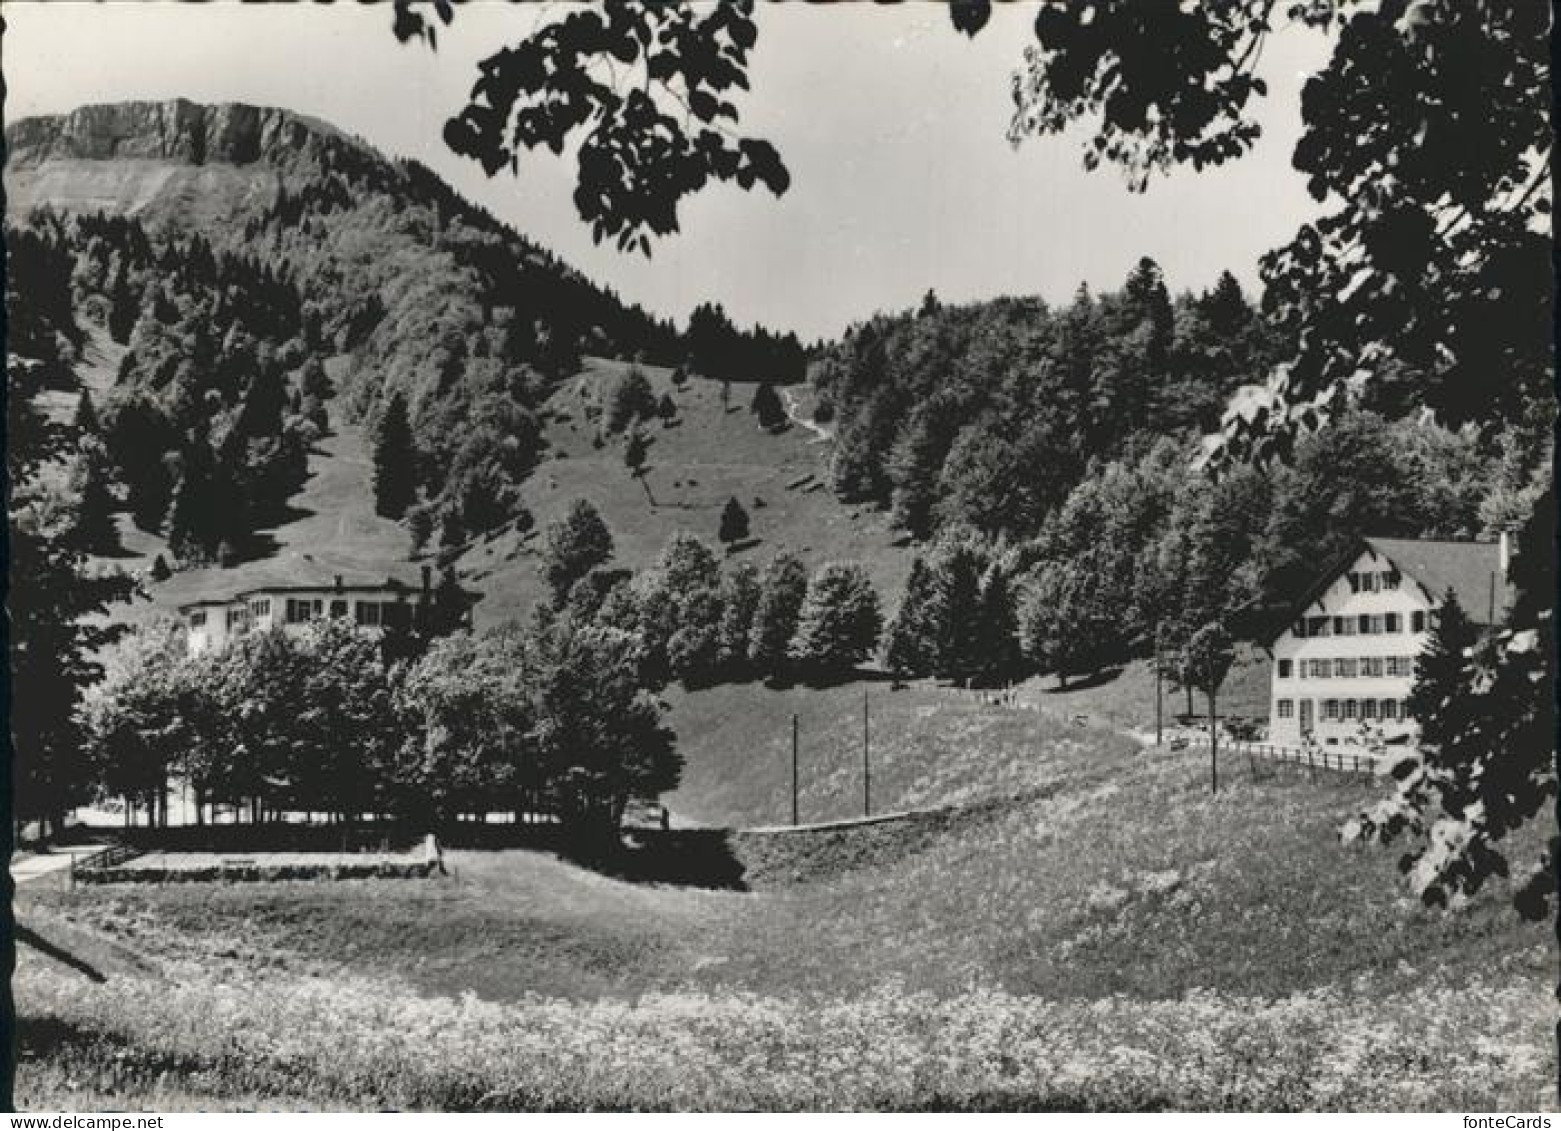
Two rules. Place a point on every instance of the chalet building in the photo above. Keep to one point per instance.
(387, 602)
(1346, 665)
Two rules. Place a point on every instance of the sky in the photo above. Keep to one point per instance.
(892, 125)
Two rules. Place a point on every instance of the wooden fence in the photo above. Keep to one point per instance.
(101, 861)
(1351, 761)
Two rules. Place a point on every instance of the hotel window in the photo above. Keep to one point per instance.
(1344, 669)
(1354, 582)
(260, 608)
(1417, 621)
(1317, 626)
(1371, 667)
(1392, 622)
(1330, 709)
(1344, 626)
(1320, 669)
(1390, 579)
(1403, 709)
(1284, 669)
(198, 620)
(1350, 709)
(238, 620)
(1390, 708)
(368, 614)
(1286, 709)
(338, 608)
(1368, 708)
(1363, 624)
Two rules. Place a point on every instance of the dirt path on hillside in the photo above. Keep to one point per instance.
(821, 435)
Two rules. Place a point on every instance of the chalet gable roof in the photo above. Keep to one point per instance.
(1435, 566)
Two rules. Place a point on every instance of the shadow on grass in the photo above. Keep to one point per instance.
(691, 858)
(1095, 679)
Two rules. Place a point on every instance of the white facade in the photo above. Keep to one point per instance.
(1347, 665)
(211, 625)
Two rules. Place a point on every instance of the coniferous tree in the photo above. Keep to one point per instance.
(767, 406)
(911, 640)
(123, 310)
(781, 592)
(572, 547)
(194, 518)
(667, 409)
(839, 622)
(740, 592)
(1437, 702)
(56, 603)
(734, 523)
(634, 449)
(160, 570)
(956, 575)
(95, 504)
(999, 623)
(395, 461)
(632, 399)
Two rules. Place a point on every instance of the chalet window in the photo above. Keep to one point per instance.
(238, 620)
(368, 614)
(1298, 629)
(1417, 621)
(1330, 709)
(338, 608)
(1284, 669)
(1368, 708)
(260, 608)
(1317, 626)
(1390, 579)
(301, 610)
(1392, 622)
(1286, 709)
(1344, 669)
(1390, 709)
(198, 619)
(1350, 709)
(1371, 667)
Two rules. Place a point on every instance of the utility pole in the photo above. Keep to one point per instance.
(794, 820)
(1214, 747)
(1158, 727)
(867, 771)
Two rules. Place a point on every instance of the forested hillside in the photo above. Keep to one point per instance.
(234, 249)
(1053, 452)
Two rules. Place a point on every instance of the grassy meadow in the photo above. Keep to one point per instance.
(1088, 928)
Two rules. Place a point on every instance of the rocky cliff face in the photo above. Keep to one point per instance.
(176, 130)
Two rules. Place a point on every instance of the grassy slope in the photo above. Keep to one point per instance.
(927, 748)
(1124, 699)
(1084, 868)
(1116, 873)
(694, 467)
(709, 456)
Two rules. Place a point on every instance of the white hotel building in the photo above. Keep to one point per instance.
(1346, 664)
